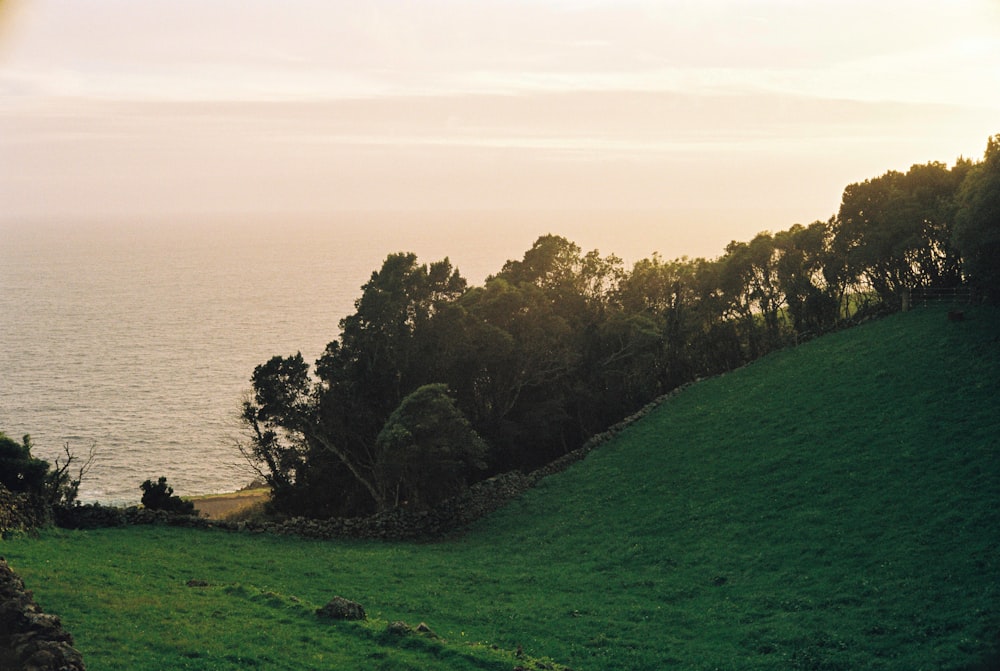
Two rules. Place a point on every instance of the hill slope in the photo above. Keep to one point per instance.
(828, 507)
(833, 506)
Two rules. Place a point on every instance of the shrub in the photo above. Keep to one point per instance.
(19, 471)
(161, 497)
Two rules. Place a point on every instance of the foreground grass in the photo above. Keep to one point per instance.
(829, 507)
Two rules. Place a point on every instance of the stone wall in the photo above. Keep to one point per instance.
(400, 524)
(19, 512)
(30, 639)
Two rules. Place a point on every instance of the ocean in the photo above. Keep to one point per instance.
(140, 337)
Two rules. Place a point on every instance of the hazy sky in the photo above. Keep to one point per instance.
(740, 115)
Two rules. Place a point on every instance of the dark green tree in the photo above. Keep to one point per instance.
(551, 305)
(802, 256)
(427, 450)
(521, 383)
(977, 223)
(314, 438)
(279, 415)
(894, 232)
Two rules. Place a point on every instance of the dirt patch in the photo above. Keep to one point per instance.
(218, 506)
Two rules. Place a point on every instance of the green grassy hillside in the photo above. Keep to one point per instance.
(836, 506)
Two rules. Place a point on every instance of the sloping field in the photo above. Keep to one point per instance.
(836, 506)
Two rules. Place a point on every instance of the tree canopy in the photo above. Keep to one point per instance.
(433, 384)
(977, 223)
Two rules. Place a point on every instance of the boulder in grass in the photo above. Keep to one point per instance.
(398, 628)
(339, 608)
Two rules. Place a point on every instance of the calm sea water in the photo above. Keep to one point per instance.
(141, 338)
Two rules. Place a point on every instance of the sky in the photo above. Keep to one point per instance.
(713, 118)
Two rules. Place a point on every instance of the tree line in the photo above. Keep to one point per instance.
(434, 384)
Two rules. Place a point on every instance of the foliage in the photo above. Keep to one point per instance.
(894, 231)
(427, 449)
(160, 496)
(977, 225)
(20, 472)
(561, 344)
(774, 517)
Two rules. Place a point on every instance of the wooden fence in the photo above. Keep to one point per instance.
(924, 296)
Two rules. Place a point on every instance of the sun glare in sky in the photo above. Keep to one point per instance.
(751, 114)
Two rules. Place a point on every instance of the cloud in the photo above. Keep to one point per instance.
(116, 105)
(260, 50)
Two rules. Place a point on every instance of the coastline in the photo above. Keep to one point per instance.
(219, 506)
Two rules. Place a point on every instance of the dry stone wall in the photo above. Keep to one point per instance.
(31, 640)
(19, 512)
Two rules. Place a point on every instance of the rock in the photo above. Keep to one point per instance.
(339, 608)
(424, 629)
(398, 628)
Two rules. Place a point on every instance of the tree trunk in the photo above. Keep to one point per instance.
(355, 471)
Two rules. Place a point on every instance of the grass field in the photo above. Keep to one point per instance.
(829, 507)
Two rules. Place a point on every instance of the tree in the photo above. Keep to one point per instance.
(894, 231)
(523, 377)
(664, 293)
(552, 304)
(932, 199)
(551, 263)
(749, 281)
(803, 254)
(314, 438)
(305, 457)
(375, 352)
(20, 472)
(427, 451)
(277, 414)
(977, 223)
(62, 486)
(626, 367)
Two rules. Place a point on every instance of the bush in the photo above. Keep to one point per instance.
(161, 497)
(19, 471)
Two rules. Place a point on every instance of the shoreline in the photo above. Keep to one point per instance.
(218, 506)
